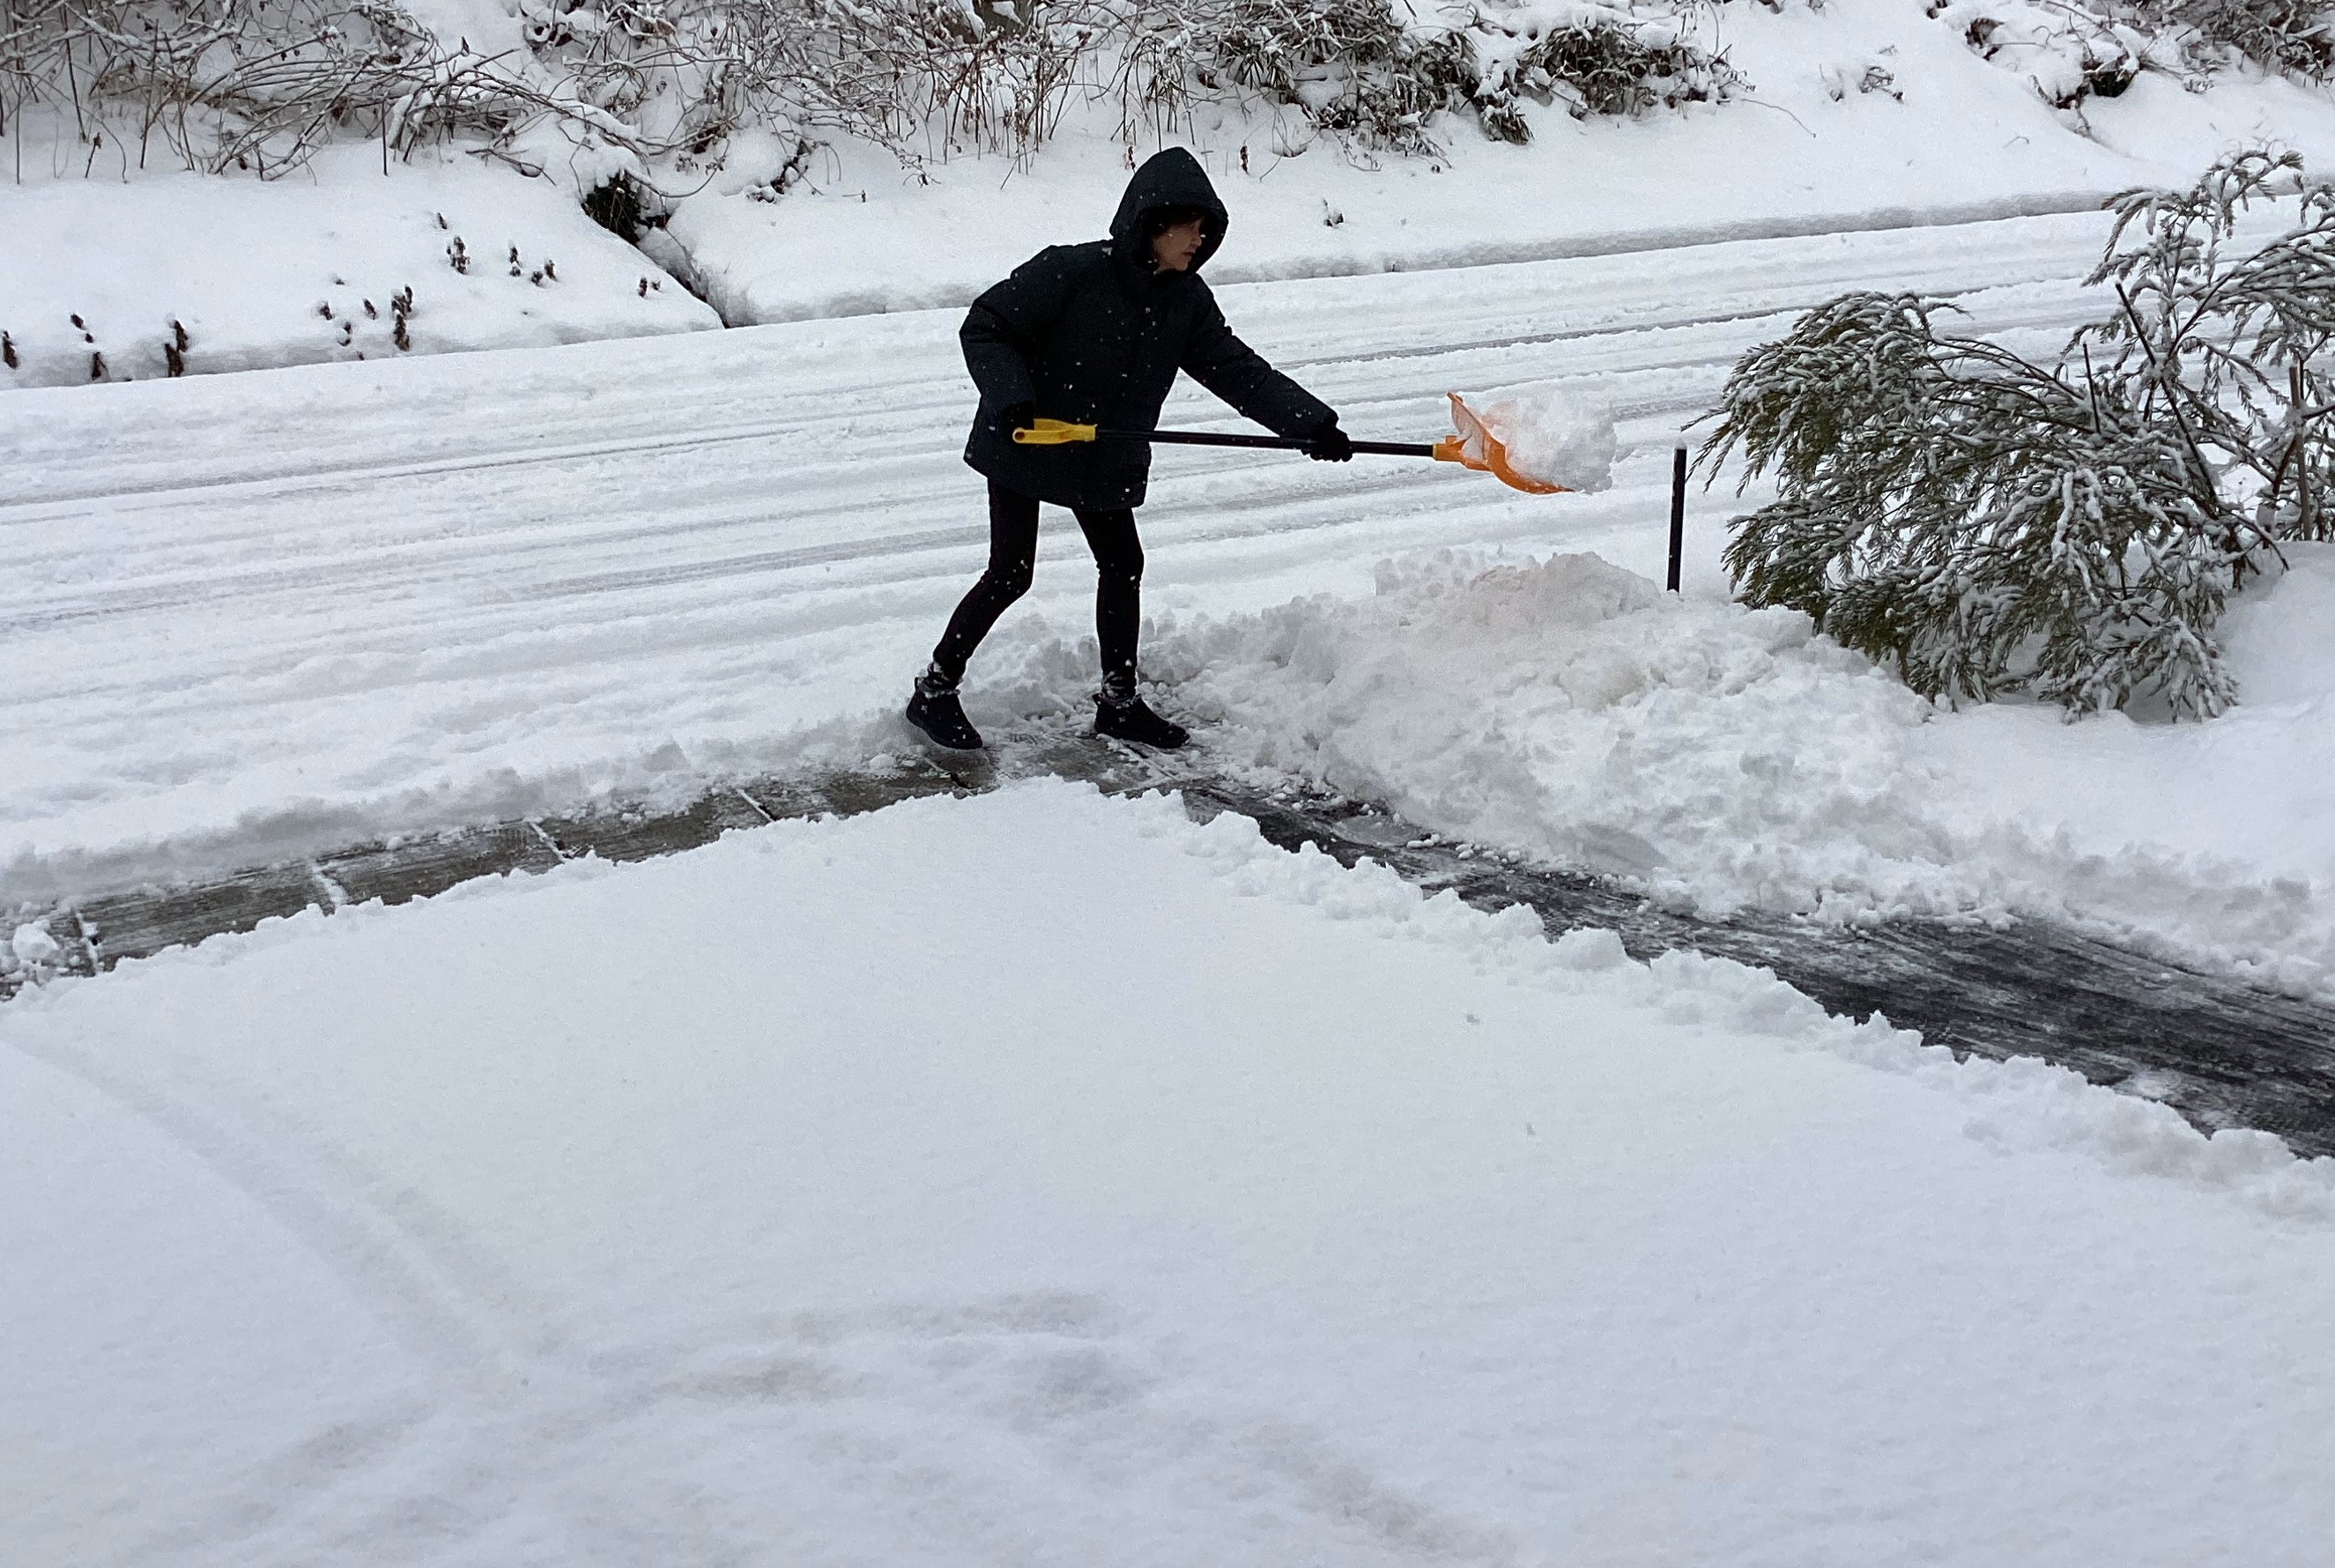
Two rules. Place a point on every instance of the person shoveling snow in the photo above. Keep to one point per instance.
(1074, 355)
(1096, 333)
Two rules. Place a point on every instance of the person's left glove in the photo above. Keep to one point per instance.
(1329, 444)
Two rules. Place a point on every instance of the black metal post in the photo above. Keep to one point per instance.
(1678, 513)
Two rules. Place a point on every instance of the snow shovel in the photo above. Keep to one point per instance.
(1473, 447)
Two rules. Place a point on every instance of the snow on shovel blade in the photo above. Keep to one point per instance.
(1477, 448)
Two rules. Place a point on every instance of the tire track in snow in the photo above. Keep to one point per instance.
(403, 1257)
(515, 1411)
(510, 1390)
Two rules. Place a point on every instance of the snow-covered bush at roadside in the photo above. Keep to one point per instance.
(2296, 35)
(1991, 525)
(2073, 52)
(1594, 58)
(1359, 67)
(262, 86)
(1973, 517)
(2068, 53)
(1377, 70)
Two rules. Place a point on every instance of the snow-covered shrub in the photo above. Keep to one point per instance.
(1947, 504)
(2068, 51)
(921, 78)
(1376, 70)
(2074, 51)
(1594, 58)
(1993, 525)
(263, 83)
(2226, 341)
(1355, 67)
(257, 84)
(2293, 35)
(1350, 65)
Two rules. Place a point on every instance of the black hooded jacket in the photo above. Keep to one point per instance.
(1095, 334)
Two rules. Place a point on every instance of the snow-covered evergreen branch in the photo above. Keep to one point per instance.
(1994, 524)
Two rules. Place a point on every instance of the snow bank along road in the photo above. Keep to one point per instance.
(642, 1214)
(247, 617)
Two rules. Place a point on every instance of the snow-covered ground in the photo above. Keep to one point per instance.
(1040, 1178)
(636, 569)
(694, 548)
(1044, 1178)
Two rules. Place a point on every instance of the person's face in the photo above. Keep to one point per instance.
(1174, 249)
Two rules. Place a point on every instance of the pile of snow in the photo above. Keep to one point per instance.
(1043, 1177)
(1552, 432)
(1573, 710)
(114, 279)
(1723, 758)
(30, 951)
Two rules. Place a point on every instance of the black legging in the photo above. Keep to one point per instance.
(1014, 557)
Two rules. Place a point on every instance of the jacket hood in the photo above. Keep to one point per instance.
(1171, 177)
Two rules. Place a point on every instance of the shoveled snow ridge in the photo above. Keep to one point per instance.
(2223, 1055)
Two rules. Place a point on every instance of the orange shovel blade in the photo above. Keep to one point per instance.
(1477, 448)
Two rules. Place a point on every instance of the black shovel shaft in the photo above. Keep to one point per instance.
(1273, 443)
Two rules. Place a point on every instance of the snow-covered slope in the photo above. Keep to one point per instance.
(1942, 135)
(1803, 150)
(1041, 1178)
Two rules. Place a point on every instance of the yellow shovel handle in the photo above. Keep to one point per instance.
(1052, 433)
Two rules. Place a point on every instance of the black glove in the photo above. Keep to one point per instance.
(1018, 416)
(1329, 444)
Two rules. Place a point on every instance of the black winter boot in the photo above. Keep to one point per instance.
(1129, 718)
(933, 708)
